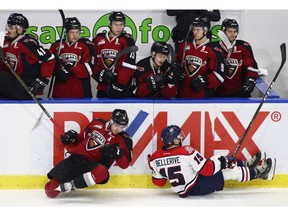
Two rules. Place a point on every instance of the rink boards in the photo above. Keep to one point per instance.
(30, 144)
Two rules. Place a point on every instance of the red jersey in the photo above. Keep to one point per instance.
(28, 59)
(79, 57)
(96, 135)
(106, 50)
(205, 58)
(143, 91)
(240, 65)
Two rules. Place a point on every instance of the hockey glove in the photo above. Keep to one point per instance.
(175, 74)
(112, 151)
(156, 82)
(70, 136)
(248, 87)
(199, 82)
(106, 76)
(38, 85)
(64, 74)
(227, 162)
(117, 90)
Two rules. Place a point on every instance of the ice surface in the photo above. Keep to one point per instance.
(163, 199)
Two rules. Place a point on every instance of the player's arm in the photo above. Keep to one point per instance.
(157, 178)
(39, 54)
(216, 67)
(84, 68)
(125, 72)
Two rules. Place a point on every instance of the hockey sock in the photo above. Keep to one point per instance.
(240, 174)
(98, 175)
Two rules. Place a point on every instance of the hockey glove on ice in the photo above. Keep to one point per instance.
(38, 85)
(199, 82)
(248, 87)
(112, 151)
(227, 162)
(70, 136)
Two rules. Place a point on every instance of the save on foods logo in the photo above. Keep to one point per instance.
(142, 31)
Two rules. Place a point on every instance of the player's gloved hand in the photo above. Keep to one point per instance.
(116, 90)
(175, 74)
(227, 162)
(70, 136)
(64, 74)
(106, 76)
(38, 85)
(199, 82)
(112, 151)
(156, 82)
(248, 87)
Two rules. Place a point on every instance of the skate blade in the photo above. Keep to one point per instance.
(272, 171)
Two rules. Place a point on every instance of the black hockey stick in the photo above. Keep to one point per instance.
(172, 54)
(124, 52)
(283, 56)
(59, 48)
(28, 90)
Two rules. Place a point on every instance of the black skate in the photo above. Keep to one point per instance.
(266, 169)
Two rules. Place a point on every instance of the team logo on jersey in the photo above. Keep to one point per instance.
(96, 140)
(189, 149)
(108, 57)
(232, 67)
(193, 64)
(12, 59)
(70, 59)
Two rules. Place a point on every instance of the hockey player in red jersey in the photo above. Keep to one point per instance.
(92, 153)
(27, 58)
(202, 62)
(75, 63)
(191, 174)
(114, 81)
(156, 77)
(242, 69)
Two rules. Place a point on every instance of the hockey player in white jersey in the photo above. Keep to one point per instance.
(190, 173)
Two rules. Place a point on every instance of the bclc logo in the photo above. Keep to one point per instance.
(200, 138)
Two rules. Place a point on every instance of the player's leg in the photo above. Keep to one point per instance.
(264, 170)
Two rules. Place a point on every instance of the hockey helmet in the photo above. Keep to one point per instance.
(170, 133)
(72, 23)
(18, 19)
(229, 23)
(119, 117)
(116, 16)
(203, 22)
(159, 47)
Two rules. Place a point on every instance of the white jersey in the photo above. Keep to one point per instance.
(181, 166)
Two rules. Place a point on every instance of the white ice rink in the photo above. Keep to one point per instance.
(262, 201)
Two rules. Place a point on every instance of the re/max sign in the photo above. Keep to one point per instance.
(199, 130)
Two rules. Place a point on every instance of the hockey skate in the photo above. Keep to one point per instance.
(53, 188)
(253, 162)
(266, 169)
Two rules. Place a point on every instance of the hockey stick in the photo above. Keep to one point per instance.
(124, 52)
(172, 54)
(59, 48)
(184, 50)
(283, 56)
(28, 90)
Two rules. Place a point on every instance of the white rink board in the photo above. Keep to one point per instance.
(27, 136)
